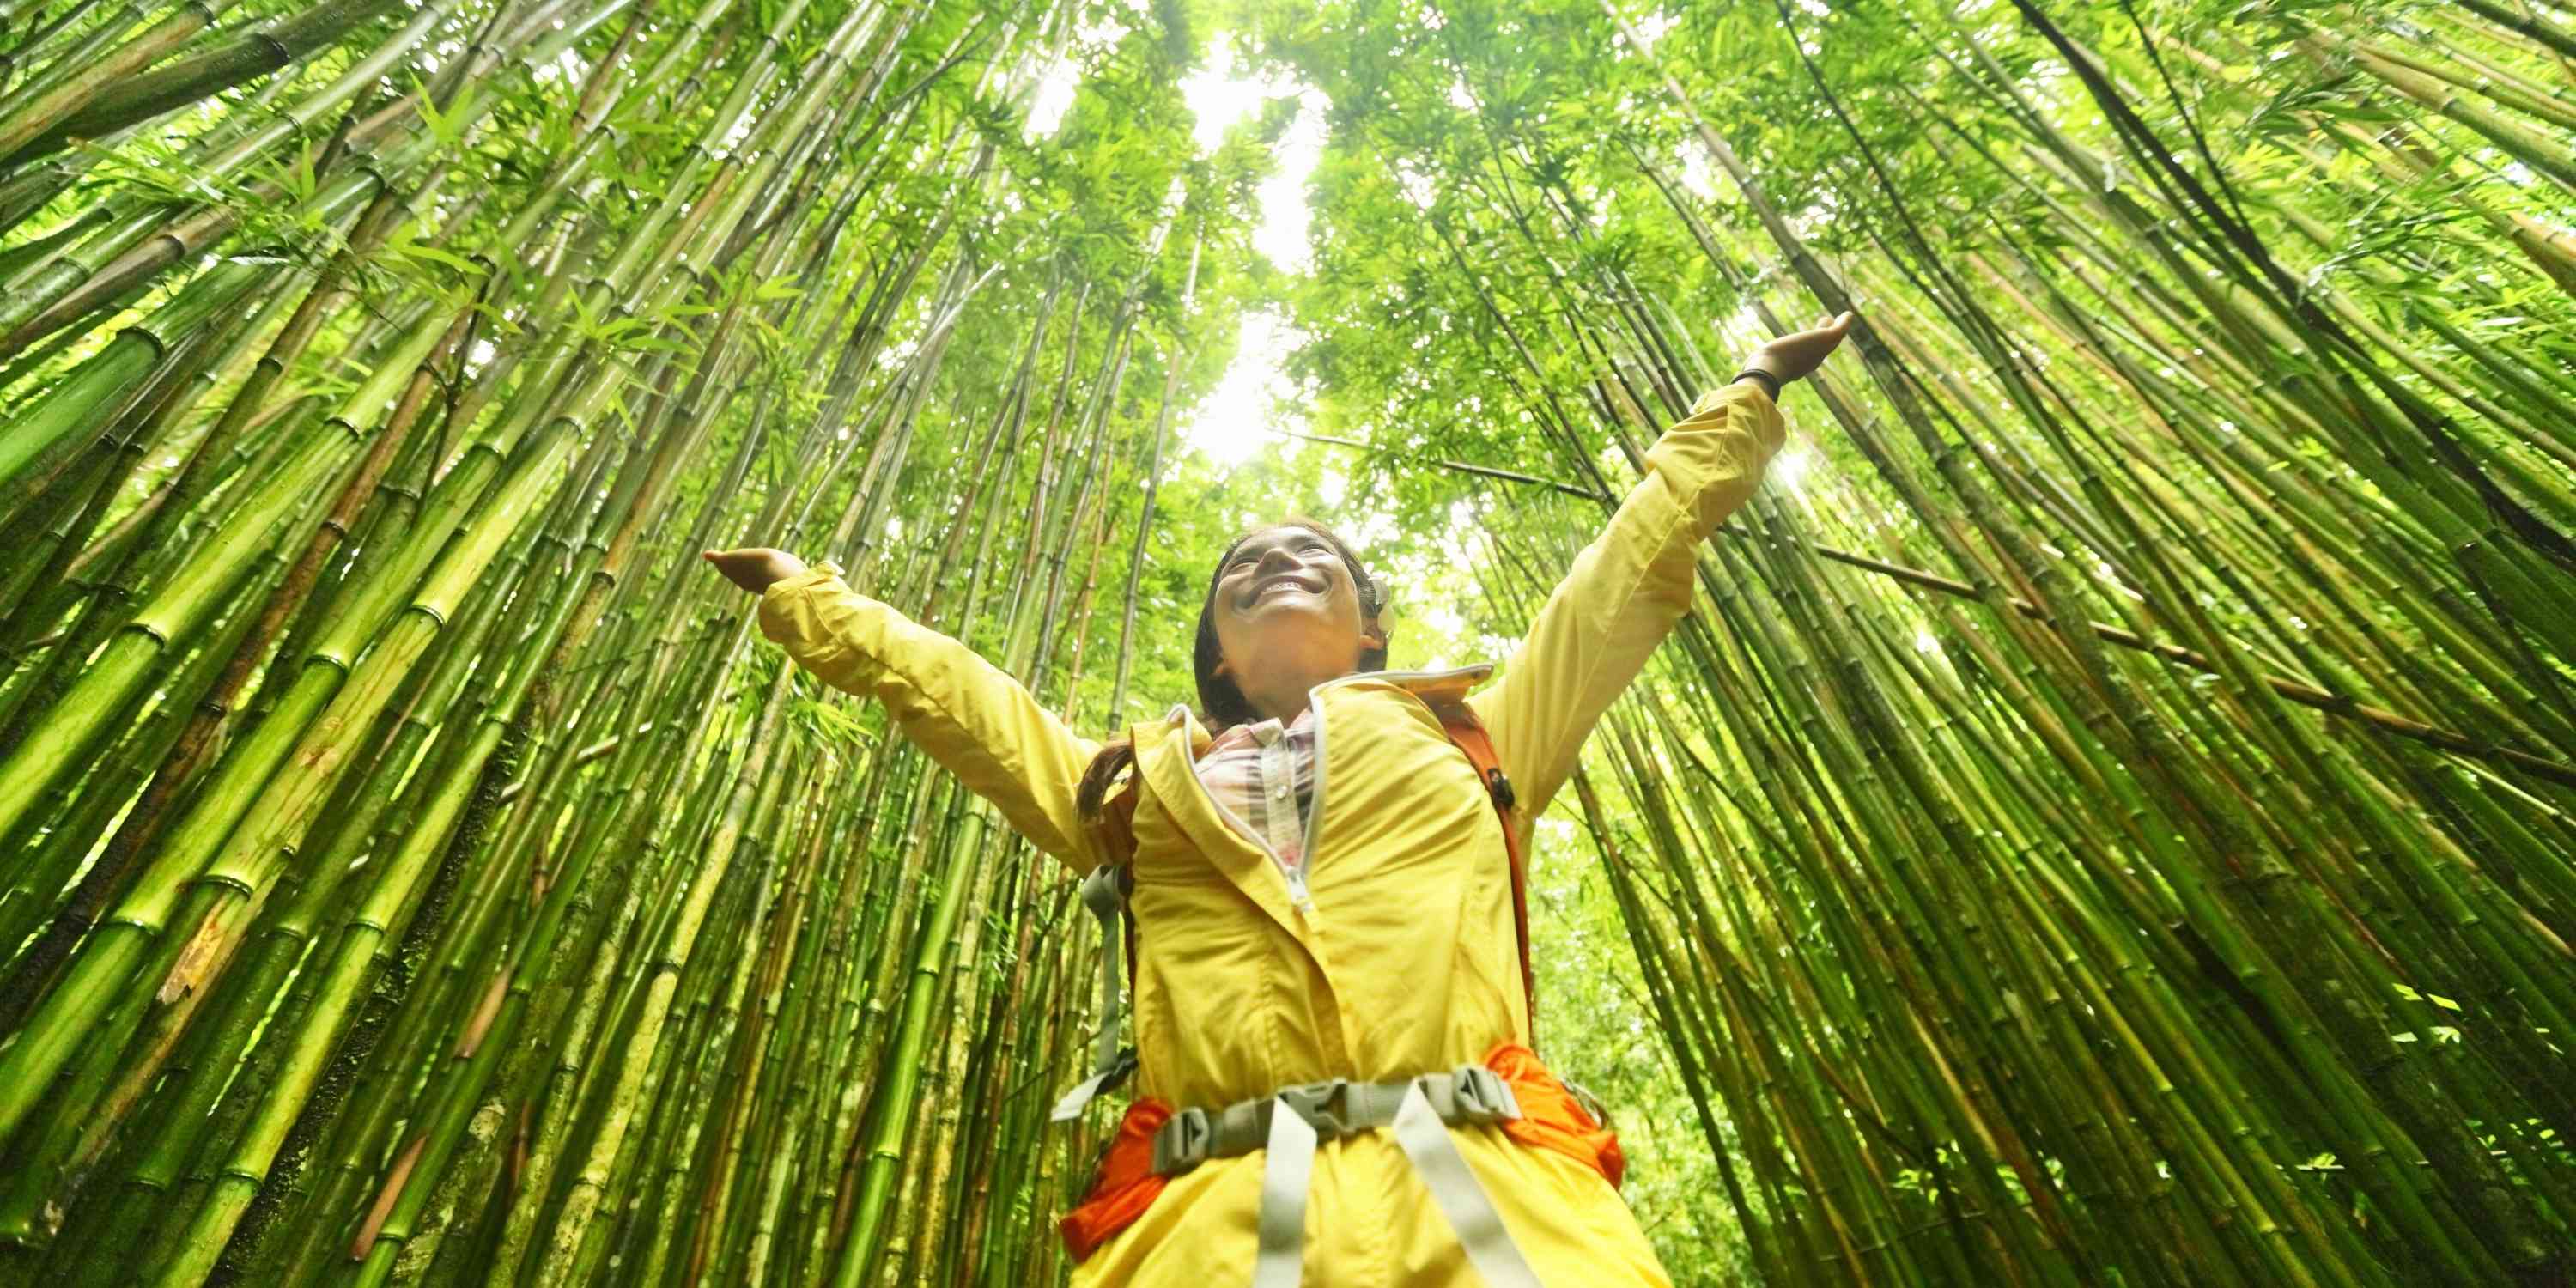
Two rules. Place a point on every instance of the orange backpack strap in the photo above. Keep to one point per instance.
(1469, 734)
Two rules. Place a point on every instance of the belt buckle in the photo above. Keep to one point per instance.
(1181, 1143)
(1483, 1096)
(1318, 1103)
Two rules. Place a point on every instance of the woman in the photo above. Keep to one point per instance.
(1328, 968)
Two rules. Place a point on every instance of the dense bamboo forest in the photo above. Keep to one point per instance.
(2109, 817)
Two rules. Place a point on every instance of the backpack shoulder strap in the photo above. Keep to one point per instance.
(1104, 895)
(1118, 825)
(1465, 730)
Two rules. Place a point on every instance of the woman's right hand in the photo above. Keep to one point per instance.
(754, 568)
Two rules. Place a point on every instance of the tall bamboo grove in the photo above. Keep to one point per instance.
(2106, 819)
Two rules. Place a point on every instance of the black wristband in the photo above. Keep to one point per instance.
(1770, 383)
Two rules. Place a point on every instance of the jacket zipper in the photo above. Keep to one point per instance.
(1314, 808)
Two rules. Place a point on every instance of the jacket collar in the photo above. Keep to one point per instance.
(1451, 685)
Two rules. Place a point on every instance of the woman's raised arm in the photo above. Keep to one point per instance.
(963, 712)
(1629, 587)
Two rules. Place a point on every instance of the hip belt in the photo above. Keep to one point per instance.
(1510, 1090)
(1289, 1124)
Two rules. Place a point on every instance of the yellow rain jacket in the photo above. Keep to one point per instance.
(1407, 960)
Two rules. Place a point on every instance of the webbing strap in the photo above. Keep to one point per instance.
(1103, 892)
(1287, 1166)
(1100, 894)
(1333, 1109)
(1425, 1140)
(1082, 1094)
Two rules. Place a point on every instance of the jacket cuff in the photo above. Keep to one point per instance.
(777, 624)
(1755, 398)
(1710, 462)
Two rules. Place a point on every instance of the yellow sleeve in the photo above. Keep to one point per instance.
(963, 712)
(1625, 592)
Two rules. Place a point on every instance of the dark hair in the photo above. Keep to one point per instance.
(1221, 703)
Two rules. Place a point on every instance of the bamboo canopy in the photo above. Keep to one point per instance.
(2108, 818)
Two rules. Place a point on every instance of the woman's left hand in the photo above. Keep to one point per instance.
(1799, 352)
(754, 568)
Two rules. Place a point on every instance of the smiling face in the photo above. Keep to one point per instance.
(1285, 610)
